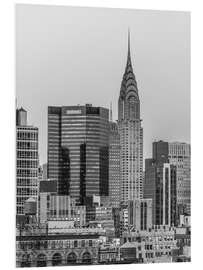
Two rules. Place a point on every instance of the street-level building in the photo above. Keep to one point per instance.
(109, 254)
(153, 245)
(78, 246)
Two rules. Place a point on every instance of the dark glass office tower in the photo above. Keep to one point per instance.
(160, 152)
(78, 139)
(160, 185)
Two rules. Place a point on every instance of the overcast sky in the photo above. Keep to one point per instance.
(69, 56)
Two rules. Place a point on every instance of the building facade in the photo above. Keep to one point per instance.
(131, 136)
(78, 152)
(160, 186)
(150, 246)
(140, 214)
(59, 207)
(76, 246)
(179, 155)
(114, 165)
(27, 162)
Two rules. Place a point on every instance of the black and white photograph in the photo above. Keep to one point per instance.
(102, 136)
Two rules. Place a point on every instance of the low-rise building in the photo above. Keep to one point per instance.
(153, 245)
(183, 238)
(109, 254)
(75, 246)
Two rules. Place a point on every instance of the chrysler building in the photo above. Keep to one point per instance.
(131, 136)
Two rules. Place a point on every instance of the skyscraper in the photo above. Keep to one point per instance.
(78, 150)
(160, 152)
(179, 155)
(114, 165)
(131, 136)
(26, 163)
(160, 185)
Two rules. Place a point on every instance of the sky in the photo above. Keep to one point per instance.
(70, 55)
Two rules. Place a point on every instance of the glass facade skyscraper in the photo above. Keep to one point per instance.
(78, 150)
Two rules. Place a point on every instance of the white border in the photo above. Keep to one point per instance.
(7, 75)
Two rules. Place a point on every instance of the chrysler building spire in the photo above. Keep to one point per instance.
(131, 136)
(129, 57)
(129, 104)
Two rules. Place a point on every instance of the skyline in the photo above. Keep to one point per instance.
(167, 128)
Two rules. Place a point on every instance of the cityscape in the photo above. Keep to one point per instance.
(97, 199)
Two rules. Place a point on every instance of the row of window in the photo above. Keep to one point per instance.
(27, 163)
(55, 244)
(27, 173)
(27, 145)
(27, 154)
(27, 135)
(27, 182)
(26, 191)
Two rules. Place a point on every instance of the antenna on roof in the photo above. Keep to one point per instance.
(111, 117)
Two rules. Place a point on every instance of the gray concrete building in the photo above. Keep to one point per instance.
(140, 214)
(114, 165)
(27, 162)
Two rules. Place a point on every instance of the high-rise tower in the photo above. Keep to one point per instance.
(27, 162)
(114, 164)
(131, 136)
(78, 150)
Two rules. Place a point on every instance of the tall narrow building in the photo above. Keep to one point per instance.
(131, 136)
(160, 186)
(26, 162)
(78, 145)
(179, 155)
(114, 164)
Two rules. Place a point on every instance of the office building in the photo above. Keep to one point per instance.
(179, 155)
(59, 207)
(131, 136)
(26, 162)
(160, 186)
(160, 152)
(46, 189)
(78, 150)
(140, 214)
(114, 165)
